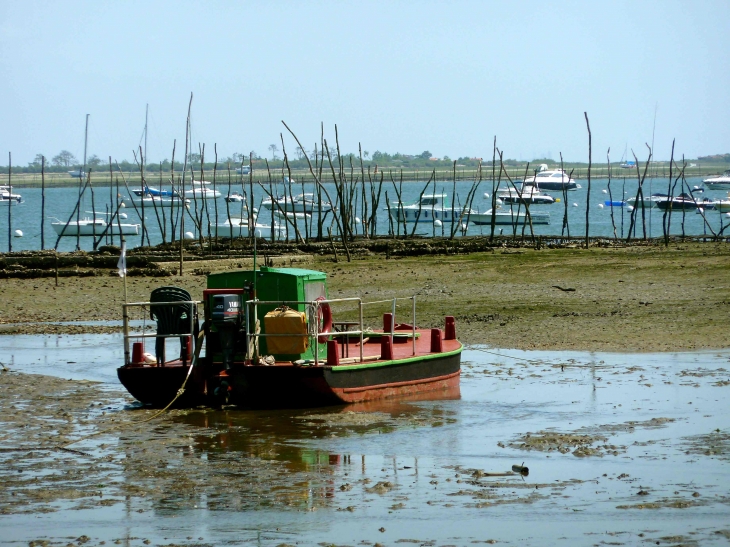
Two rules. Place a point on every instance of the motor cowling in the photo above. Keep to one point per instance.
(227, 318)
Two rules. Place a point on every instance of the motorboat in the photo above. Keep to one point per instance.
(525, 194)
(235, 197)
(552, 180)
(150, 191)
(722, 180)
(511, 216)
(243, 170)
(430, 208)
(272, 339)
(647, 201)
(302, 203)
(200, 190)
(78, 174)
(241, 227)
(684, 201)
(154, 201)
(435, 207)
(7, 196)
(94, 227)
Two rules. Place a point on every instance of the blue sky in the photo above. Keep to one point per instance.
(395, 76)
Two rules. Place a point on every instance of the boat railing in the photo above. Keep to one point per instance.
(313, 314)
(145, 306)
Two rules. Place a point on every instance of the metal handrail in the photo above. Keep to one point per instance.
(125, 322)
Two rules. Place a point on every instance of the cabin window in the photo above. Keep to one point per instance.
(314, 290)
(428, 201)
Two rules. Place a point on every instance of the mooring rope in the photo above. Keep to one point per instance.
(501, 355)
(118, 426)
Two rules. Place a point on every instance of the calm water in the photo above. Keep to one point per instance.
(60, 203)
(429, 450)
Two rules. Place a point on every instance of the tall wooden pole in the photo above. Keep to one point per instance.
(10, 204)
(43, 201)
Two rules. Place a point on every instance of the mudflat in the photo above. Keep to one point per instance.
(633, 298)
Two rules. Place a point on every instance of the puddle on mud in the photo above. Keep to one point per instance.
(622, 450)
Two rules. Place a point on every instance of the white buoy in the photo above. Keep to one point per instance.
(357, 220)
(18, 233)
(255, 210)
(575, 205)
(486, 195)
(600, 205)
(604, 191)
(499, 201)
(189, 235)
(727, 215)
(437, 223)
(630, 208)
(463, 227)
(122, 215)
(122, 204)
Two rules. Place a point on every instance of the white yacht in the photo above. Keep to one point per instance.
(525, 194)
(7, 196)
(200, 190)
(552, 179)
(435, 207)
(303, 203)
(94, 227)
(242, 226)
(722, 180)
(154, 201)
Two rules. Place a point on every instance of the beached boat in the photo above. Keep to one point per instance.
(514, 215)
(94, 227)
(271, 340)
(7, 196)
(719, 181)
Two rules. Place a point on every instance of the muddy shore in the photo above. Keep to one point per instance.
(642, 298)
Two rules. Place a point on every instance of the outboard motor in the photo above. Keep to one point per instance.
(227, 318)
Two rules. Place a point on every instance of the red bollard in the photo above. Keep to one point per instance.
(450, 328)
(387, 322)
(333, 353)
(386, 347)
(137, 353)
(437, 345)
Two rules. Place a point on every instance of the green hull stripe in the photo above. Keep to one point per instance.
(397, 362)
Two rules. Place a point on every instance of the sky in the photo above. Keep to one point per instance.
(394, 76)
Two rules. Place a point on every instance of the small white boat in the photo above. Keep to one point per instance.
(77, 174)
(235, 197)
(552, 180)
(243, 170)
(241, 227)
(647, 201)
(723, 205)
(7, 196)
(154, 201)
(302, 203)
(722, 180)
(526, 194)
(94, 227)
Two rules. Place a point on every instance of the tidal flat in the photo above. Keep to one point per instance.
(622, 449)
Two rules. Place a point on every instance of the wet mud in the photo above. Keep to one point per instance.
(621, 450)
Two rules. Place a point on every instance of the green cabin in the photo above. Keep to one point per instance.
(279, 286)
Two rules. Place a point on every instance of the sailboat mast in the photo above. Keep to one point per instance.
(144, 160)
